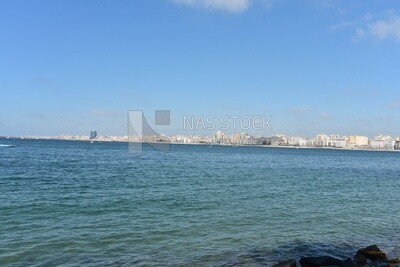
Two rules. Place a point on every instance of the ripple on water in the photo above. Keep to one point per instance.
(74, 204)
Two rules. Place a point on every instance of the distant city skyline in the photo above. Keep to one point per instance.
(333, 141)
(315, 67)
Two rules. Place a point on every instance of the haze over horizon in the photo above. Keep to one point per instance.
(69, 67)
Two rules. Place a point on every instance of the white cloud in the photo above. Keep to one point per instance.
(268, 4)
(360, 33)
(230, 6)
(342, 25)
(325, 115)
(394, 105)
(386, 28)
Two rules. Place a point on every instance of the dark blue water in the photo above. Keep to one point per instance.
(75, 203)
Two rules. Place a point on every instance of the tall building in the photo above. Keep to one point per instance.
(397, 145)
(93, 134)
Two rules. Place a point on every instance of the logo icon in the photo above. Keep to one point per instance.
(140, 132)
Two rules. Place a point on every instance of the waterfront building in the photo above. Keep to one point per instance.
(357, 141)
(221, 138)
(321, 140)
(382, 142)
(265, 141)
(279, 140)
(339, 143)
(311, 142)
(93, 134)
(397, 145)
(297, 141)
(381, 137)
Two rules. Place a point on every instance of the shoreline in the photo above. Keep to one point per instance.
(209, 145)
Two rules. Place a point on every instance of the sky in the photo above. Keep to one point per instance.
(314, 66)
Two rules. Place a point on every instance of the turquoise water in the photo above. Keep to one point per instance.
(76, 203)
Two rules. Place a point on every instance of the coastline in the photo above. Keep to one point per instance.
(206, 144)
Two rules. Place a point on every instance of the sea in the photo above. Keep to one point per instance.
(72, 203)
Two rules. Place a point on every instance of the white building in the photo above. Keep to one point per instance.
(382, 142)
(358, 141)
(296, 141)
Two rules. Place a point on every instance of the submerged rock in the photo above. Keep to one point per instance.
(325, 261)
(348, 263)
(371, 256)
(289, 263)
(395, 261)
(372, 253)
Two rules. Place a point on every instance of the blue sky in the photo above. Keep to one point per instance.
(68, 67)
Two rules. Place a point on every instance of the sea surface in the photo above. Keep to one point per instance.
(67, 203)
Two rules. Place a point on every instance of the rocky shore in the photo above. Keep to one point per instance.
(370, 256)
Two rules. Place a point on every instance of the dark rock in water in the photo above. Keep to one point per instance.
(324, 261)
(348, 263)
(289, 263)
(372, 253)
(387, 264)
(395, 261)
